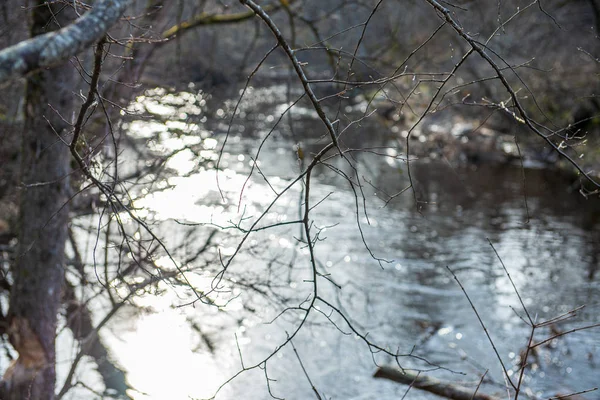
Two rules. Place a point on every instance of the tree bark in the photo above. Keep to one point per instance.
(38, 270)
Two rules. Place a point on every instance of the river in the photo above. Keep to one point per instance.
(548, 237)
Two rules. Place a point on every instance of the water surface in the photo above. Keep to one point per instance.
(547, 235)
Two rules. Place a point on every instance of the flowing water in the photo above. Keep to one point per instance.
(548, 237)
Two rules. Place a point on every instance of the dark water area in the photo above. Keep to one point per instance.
(546, 233)
(547, 238)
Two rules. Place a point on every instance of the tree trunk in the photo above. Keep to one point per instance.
(38, 270)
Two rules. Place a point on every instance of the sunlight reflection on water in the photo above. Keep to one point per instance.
(157, 349)
(401, 303)
(157, 352)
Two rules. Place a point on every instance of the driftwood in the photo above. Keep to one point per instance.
(431, 385)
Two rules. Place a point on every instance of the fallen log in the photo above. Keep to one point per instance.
(448, 390)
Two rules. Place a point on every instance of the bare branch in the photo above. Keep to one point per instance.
(56, 47)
